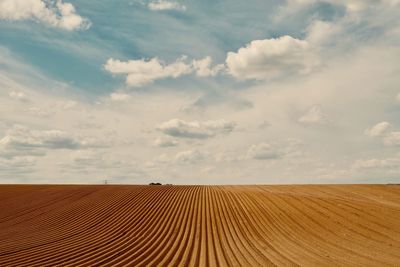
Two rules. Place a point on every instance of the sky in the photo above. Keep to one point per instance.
(200, 92)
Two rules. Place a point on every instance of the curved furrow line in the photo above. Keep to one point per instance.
(212, 259)
(243, 225)
(278, 235)
(246, 258)
(51, 221)
(62, 246)
(218, 255)
(162, 245)
(322, 235)
(172, 254)
(260, 230)
(361, 237)
(43, 248)
(355, 238)
(103, 236)
(153, 229)
(375, 212)
(152, 247)
(101, 233)
(48, 221)
(158, 257)
(305, 245)
(268, 223)
(230, 252)
(287, 236)
(333, 225)
(133, 227)
(41, 211)
(185, 254)
(23, 233)
(316, 232)
(358, 226)
(35, 204)
(364, 194)
(375, 216)
(194, 258)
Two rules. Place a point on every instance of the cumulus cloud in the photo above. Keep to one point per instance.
(204, 69)
(17, 95)
(189, 157)
(166, 5)
(382, 131)
(392, 139)
(270, 58)
(81, 160)
(21, 140)
(289, 148)
(16, 165)
(379, 129)
(196, 129)
(263, 151)
(119, 97)
(313, 116)
(182, 157)
(165, 142)
(69, 105)
(39, 112)
(349, 5)
(53, 13)
(385, 163)
(141, 72)
(321, 33)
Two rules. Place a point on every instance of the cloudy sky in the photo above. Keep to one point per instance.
(200, 92)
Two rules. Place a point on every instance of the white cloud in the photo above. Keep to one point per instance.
(54, 13)
(39, 112)
(189, 157)
(322, 32)
(166, 5)
(196, 129)
(17, 95)
(313, 116)
(119, 97)
(398, 98)
(141, 72)
(89, 159)
(382, 131)
(350, 5)
(16, 165)
(69, 105)
(263, 151)
(265, 124)
(379, 129)
(270, 58)
(392, 139)
(385, 163)
(21, 140)
(203, 67)
(165, 142)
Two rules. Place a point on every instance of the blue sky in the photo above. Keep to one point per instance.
(204, 92)
(129, 29)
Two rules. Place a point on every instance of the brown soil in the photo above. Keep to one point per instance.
(310, 225)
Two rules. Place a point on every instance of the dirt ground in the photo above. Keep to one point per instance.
(104, 225)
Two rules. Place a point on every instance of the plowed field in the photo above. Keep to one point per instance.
(71, 225)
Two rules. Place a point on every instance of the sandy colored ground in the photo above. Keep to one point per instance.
(341, 225)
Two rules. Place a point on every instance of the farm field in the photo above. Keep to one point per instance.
(104, 225)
